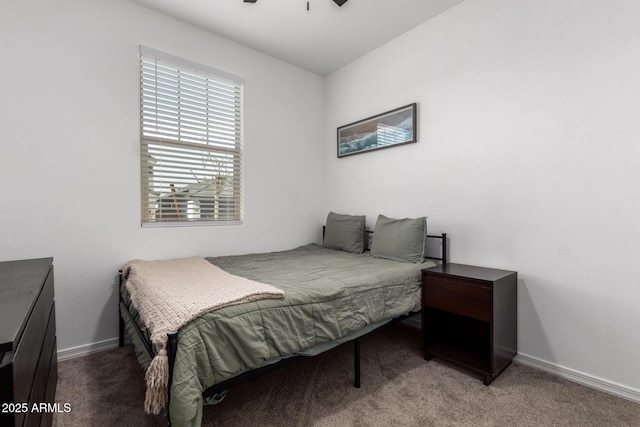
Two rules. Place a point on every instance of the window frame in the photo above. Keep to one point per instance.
(172, 148)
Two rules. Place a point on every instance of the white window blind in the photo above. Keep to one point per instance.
(190, 141)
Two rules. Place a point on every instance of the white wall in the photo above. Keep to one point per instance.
(528, 155)
(69, 159)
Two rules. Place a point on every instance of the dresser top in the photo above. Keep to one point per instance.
(20, 284)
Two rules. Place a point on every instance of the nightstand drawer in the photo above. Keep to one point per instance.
(471, 300)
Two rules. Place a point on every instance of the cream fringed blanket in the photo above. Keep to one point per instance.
(170, 293)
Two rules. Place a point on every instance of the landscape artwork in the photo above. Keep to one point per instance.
(395, 127)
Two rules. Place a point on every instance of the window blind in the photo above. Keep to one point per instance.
(191, 158)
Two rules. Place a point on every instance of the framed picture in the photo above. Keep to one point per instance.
(395, 127)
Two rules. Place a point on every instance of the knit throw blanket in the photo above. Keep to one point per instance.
(170, 293)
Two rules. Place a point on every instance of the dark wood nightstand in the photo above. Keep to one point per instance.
(469, 316)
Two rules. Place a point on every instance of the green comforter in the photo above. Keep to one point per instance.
(328, 294)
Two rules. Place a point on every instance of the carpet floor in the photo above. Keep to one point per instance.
(399, 388)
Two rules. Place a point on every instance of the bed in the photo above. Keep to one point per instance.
(334, 293)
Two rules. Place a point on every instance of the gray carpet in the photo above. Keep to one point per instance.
(399, 388)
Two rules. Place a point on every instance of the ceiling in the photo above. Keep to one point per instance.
(320, 40)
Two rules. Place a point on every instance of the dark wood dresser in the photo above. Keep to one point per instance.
(469, 316)
(28, 358)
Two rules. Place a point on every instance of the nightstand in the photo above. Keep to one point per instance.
(469, 317)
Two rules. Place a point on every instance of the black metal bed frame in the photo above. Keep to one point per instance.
(172, 343)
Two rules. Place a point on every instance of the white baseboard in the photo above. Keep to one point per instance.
(580, 377)
(83, 350)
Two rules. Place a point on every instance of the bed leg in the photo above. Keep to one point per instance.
(356, 362)
(120, 319)
(121, 329)
(444, 248)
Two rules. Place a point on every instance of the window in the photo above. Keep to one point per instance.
(190, 138)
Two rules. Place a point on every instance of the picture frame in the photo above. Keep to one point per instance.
(389, 129)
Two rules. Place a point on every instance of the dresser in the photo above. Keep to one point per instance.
(28, 359)
(469, 317)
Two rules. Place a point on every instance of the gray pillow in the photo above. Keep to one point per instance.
(345, 232)
(400, 239)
